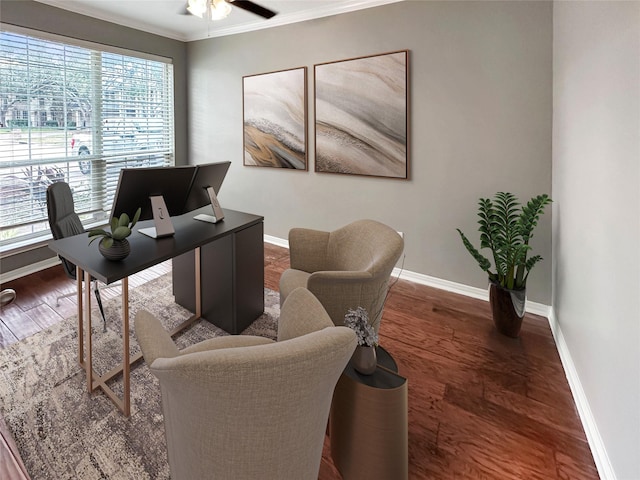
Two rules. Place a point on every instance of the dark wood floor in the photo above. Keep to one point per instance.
(481, 405)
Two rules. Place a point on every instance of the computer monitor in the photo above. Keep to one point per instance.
(160, 192)
(204, 190)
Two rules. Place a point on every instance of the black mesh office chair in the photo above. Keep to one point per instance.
(64, 222)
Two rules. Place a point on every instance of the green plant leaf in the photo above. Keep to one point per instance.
(121, 232)
(107, 242)
(124, 220)
(484, 263)
(114, 223)
(136, 217)
(98, 231)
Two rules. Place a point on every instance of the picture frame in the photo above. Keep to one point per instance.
(275, 119)
(361, 116)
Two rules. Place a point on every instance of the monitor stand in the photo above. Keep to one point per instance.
(218, 213)
(162, 220)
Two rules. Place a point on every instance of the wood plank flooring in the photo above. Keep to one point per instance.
(481, 405)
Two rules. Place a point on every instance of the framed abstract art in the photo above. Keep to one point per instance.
(361, 120)
(275, 119)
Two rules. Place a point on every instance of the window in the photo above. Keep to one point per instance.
(75, 113)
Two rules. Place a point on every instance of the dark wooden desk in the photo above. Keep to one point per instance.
(190, 235)
(232, 279)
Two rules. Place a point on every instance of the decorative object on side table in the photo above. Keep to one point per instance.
(506, 228)
(364, 358)
(114, 245)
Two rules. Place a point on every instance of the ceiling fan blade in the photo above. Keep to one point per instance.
(253, 8)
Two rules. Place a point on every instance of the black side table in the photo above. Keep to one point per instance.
(368, 423)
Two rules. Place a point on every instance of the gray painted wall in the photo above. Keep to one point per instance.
(480, 116)
(596, 180)
(30, 14)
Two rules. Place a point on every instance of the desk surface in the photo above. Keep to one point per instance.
(146, 251)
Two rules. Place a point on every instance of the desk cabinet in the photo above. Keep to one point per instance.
(232, 279)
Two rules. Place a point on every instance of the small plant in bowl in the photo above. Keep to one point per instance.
(114, 244)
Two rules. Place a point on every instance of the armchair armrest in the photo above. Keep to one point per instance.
(308, 249)
(300, 314)
(338, 291)
(154, 340)
(330, 277)
(231, 341)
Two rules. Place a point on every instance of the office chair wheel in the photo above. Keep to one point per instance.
(7, 296)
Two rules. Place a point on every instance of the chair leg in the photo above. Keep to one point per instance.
(99, 300)
(66, 295)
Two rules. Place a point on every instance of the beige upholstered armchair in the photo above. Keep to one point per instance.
(243, 407)
(345, 269)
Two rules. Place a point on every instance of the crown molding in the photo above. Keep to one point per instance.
(287, 19)
(209, 30)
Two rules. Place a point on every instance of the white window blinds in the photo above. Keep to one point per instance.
(75, 114)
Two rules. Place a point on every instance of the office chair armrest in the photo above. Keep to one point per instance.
(231, 341)
(308, 249)
(154, 340)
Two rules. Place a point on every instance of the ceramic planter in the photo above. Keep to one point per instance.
(119, 250)
(507, 307)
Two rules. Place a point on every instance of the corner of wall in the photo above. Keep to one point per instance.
(596, 443)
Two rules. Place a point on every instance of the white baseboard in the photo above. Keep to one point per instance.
(474, 292)
(480, 293)
(29, 269)
(600, 456)
(280, 242)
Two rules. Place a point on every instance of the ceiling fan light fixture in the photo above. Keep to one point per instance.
(197, 7)
(219, 9)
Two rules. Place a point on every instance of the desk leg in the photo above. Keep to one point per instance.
(79, 274)
(198, 282)
(126, 366)
(84, 333)
(87, 331)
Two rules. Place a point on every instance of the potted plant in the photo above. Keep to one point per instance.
(114, 244)
(506, 228)
(364, 358)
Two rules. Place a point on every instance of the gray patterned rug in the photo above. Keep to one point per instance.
(63, 432)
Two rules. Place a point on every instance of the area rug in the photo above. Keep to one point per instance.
(63, 432)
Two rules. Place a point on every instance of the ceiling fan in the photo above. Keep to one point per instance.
(219, 9)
